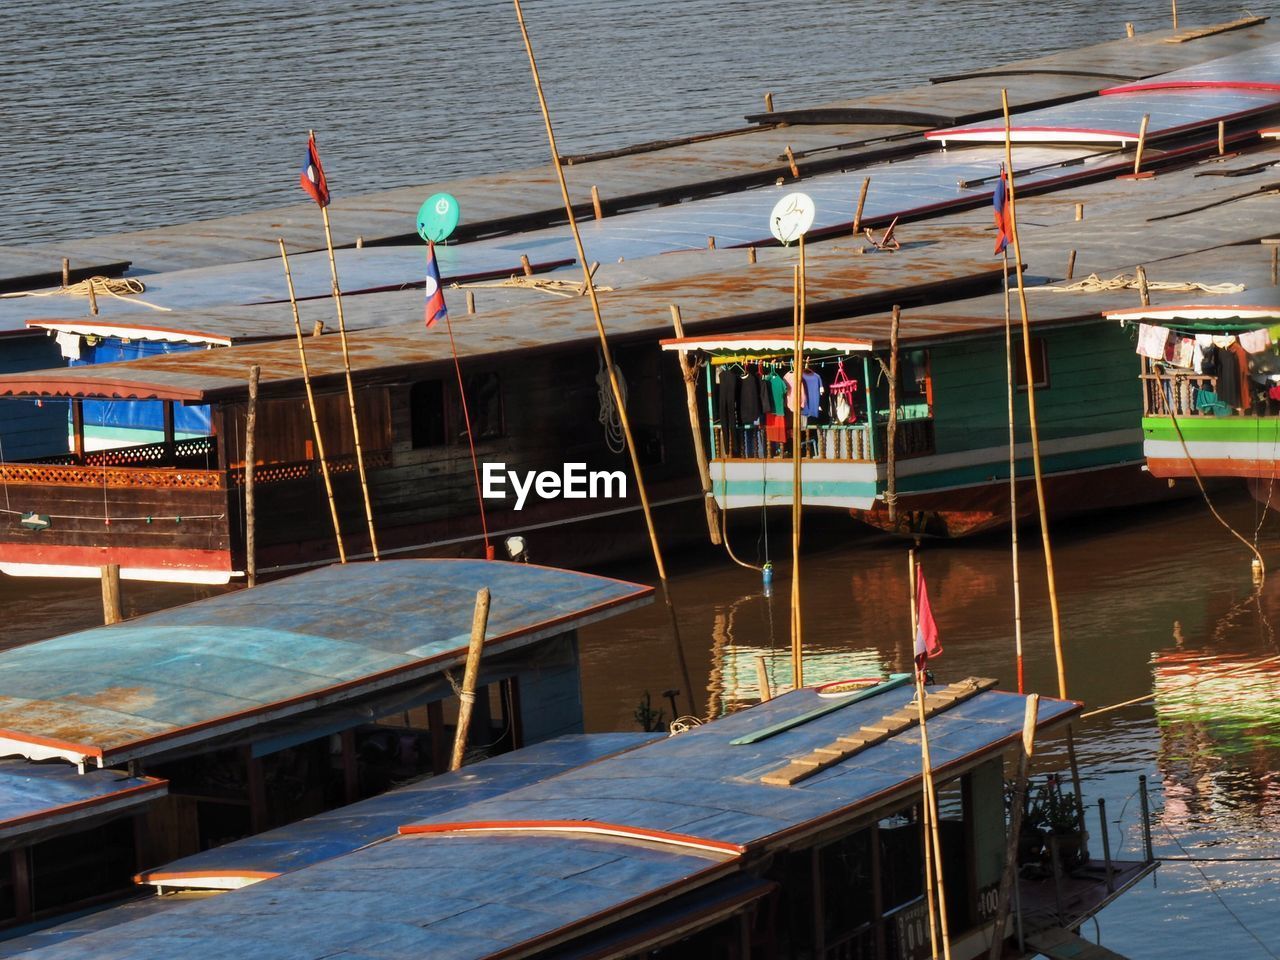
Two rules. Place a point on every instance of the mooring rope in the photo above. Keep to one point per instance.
(1095, 284)
(122, 288)
(609, 417)
(557, 288)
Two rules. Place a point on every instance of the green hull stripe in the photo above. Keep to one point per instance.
(1213, 429)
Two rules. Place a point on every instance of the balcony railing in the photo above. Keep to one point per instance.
(830, 442)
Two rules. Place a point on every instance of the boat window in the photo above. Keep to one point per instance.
(426, 413)
(484, 406)
(915, 385)
(79, 866)
(848, 902)
(1039, 364)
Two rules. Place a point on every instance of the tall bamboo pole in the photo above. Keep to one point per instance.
(311, 406)
(607, 353)
(797, 478)
(690, 374)
(1013, 475)
(930, 788)
(1008, 876)
(891, 431)
(926, 804)
(351, 390)
(467, 696)
(1031, 409)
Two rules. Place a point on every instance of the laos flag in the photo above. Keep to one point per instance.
(312, 176)
(1003, 213)
(435, 296)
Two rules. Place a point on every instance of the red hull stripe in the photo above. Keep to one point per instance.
(574, 826)
(151, 558)
(1192, 85)
(158, 876)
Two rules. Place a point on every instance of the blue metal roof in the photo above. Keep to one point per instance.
(348, 828)
(456, 895)
(35, 796)
(198, 671)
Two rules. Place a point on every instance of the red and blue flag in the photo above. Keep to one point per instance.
(312, 176)
(435, 296)
(1003, 211)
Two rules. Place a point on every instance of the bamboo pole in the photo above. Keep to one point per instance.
(891, 434)
(607, 353)
(1144, 291)
(1031, 410)
(250, 461)
(1222, 137)
(857, 214)
(111, 593)
(311, 407)
(1275, 266)
(930, 788)
(1071, 266)
(797, 475)
(66, 273)
(525, 265)
(1175, 13)
(93, 298)
(351, 390)
(1013, 472)
(467, 696)
(791, 162)
(690, 374)
(925, 805)
(596, 208)
(1142, 142)
(1008, 875)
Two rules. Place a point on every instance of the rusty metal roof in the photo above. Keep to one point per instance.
(185, 676)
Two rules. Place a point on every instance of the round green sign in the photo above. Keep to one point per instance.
(438, 217)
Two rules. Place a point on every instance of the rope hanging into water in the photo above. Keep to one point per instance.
(122, 288)
(1195, 472)
(1095, 284)
(609, 417)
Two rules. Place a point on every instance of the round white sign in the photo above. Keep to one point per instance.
(792, 217)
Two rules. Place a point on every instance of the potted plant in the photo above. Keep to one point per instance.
(1053, 817)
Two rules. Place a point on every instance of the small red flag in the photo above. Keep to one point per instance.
(927, 644)
(312, 176)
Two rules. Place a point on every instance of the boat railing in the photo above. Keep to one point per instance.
(308, 469)
(193, 452)
(1180, 393)
(831, 442)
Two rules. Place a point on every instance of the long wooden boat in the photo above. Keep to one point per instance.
(1200, 419)
(769, 833)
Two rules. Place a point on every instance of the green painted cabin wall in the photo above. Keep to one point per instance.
(1093, 388)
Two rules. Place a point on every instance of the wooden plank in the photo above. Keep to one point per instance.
(1186, 35)
(895, 680)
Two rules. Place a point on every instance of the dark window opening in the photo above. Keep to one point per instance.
(81, 866)
(1039, 365)
(426, 413)
(484, 406)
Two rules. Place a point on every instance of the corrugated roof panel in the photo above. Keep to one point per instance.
(194, 672)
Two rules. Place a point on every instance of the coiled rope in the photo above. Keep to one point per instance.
(1095, 284)
(609, 417)
(122, 288)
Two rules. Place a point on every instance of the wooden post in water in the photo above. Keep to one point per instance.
(250, 461)
(467, 698)
(1008, 876)
(1142, 142)
(862, 200)
(762, 678)
(891, 434)
(689, 372)
(768, 103)
(351, 390)
(607, 353)
(311, 404)
(596, 208)
(111, 593)
(1031, 408)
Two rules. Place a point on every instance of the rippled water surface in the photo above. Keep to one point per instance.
(118, 116)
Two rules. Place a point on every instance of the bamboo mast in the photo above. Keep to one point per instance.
(250, 468)
(797, 488)
(1013, 474)
(1008, 876)
(925, 805)
(351, 390)
(606, 352)
(1031, 407)
(311, 406)
(689, 371)
(467, 695)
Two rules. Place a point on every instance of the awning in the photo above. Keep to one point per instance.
(1227, 317)
(92, 327)
(768, 341)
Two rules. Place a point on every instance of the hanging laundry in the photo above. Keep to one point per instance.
(1203, 342)
(1223, 341)
(1255, 341)
(749, 409)
(69, 344)
(789, 379)
(775, 421)
(1233, 382)
(1184, 353)
(813, 390)
(727, 398)
(1152, 340)
(842, 393)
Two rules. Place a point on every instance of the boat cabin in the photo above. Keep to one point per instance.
(730, 840)
(1210, 390)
